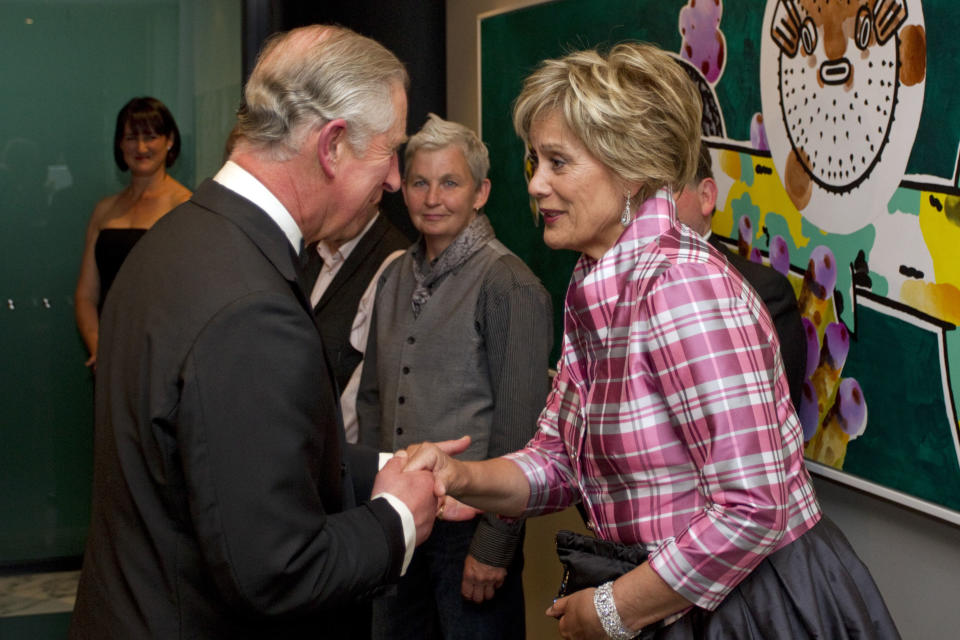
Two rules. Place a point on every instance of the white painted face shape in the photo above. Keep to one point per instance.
(841, 102)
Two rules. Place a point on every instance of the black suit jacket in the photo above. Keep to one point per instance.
(777, 294)
(223, 499)
(337, 306)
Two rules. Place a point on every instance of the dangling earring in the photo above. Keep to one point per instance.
(625, 217)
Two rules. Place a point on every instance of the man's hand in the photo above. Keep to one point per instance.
(480, 580)
(578, 617)
(415, 489)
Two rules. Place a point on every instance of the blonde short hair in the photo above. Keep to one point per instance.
(312, 75)
(438, 133)
(634, 108)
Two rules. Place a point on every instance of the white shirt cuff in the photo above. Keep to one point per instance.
(409, 527)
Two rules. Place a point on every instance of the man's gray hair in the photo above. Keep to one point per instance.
(309, 76)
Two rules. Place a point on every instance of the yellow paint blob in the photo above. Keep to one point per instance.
(941, 235)
(940, 300)
(766, 189)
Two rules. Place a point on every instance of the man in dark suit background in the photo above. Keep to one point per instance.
(695, 208)
(342, 297)
(226, 503)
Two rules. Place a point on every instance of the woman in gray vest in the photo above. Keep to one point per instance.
(459, 345)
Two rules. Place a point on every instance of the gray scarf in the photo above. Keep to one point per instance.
(427, 274)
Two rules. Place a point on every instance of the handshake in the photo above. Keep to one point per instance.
(426, 478)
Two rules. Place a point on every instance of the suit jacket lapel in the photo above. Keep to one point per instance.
(259, 227)
(357, 257)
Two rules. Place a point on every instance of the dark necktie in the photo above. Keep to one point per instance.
(311, 263)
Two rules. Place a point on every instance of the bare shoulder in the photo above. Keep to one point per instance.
(178, 194)
(104, 210)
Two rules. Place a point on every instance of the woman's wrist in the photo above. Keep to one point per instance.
(456, 478)
(606, 609)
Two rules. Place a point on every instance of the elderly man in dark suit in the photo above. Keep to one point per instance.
(695, 208)
(226, 503)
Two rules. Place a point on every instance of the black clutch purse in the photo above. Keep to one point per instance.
(590, 562)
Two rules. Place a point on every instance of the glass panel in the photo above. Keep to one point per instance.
(69, 66)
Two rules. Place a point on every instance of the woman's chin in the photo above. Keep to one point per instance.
(554, 240)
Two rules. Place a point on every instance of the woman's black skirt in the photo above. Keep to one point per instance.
(815, 587)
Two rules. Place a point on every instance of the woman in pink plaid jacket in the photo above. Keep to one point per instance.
(670, 417)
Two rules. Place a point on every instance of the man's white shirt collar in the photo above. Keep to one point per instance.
(243, 183)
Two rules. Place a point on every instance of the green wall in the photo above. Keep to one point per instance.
(69, 66)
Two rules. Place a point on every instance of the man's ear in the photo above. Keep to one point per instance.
(330, 145)
(707, 194)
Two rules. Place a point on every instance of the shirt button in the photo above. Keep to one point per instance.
(406, 370)
(401, 400)
(411, 340)
(399, 431)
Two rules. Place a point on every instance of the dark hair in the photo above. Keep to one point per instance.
(704, 164)
(146, 115)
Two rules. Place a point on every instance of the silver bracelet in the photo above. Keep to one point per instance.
(607, 612)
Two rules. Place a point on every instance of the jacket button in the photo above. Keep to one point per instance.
(406, 370)
(401, 400)
(399, 431)
(411, 340)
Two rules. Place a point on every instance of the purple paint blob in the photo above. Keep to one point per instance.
(813, 345)
(758, 134)
(808, 411)
(851, 407)
(821, 276)
(779, 255)
(745, 228)
(836, 344)
(703, 43)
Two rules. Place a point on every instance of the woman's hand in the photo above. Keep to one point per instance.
(480, 581)
(640, 596)
(578, 617)
(435, 457)
(453, 510)
(496, 485)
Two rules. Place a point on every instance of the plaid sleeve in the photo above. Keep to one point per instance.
(709, 340)
(545, 460)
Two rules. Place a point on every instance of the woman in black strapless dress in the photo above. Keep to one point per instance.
(146, 141)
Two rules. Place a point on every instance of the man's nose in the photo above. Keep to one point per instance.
(392, 182)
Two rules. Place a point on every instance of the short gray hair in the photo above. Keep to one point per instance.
(634, 108)
(312, 75)
(438, 133)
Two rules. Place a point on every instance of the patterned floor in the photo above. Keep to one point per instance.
(38, 593)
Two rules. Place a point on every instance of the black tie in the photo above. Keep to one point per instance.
(311, 262)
